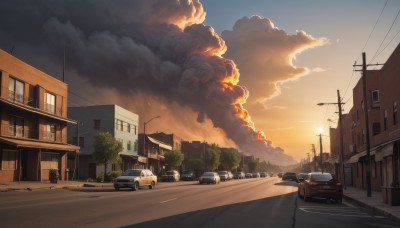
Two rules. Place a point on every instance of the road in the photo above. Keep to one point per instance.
(261, 202)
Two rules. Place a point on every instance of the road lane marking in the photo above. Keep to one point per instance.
(168, 200)
(333, 211)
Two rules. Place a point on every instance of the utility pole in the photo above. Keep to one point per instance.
(367, 143)
(320, 152)
(315, 158)
(366, 121)
(342, 173)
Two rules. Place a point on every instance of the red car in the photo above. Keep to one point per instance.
(320, 185)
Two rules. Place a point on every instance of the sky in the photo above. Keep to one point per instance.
(245, 74)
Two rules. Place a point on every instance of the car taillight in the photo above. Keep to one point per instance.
(338, 184)
(312, 183)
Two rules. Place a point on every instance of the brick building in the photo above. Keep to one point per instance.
(33, 130)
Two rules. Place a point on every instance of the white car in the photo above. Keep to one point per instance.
(209, 177)
(135, 178)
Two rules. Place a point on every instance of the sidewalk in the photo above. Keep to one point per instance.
(36, 185)
(359, 197)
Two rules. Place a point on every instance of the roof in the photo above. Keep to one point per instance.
(160, 144)
(23, 143)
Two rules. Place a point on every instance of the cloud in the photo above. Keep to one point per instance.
(155, 48)
(264, 54)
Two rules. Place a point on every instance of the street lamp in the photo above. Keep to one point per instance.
(341, 155)
(144, 137)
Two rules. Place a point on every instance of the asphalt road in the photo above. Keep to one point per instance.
(262, 202)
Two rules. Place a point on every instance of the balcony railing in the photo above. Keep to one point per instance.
(27, 133)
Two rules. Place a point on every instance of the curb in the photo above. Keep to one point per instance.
(373, 209)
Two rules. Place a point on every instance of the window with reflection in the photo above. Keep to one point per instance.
(49, 103)
(15, 90)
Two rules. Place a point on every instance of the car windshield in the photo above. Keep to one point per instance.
(321, 177)
(222, 172)
(135, 173)
(170, 172)
(208, 174)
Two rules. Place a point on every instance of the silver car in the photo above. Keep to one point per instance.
(135, 178)
(209, 177)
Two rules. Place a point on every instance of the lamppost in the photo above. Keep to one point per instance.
(144, 137)
(341, 155)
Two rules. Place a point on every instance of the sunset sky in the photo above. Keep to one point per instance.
(247, 74)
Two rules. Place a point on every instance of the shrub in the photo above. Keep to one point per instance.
(100, 177)
(113, 174)
(53, 175)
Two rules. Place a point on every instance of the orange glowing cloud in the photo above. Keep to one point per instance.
(264, 54)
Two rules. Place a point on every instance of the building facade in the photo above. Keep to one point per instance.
(383, 97)
(119, 122)
(33, 130)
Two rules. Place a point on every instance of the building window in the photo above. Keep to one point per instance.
(128, 145)
(97, 124)
(16, 126)
(129, 128)
(119, 125)
(9, 160)
(135, 146)
(81, 141)
(49, 103)
(50, 160)
(16, 90)
(135, 129)
(376, 128)
(395, 113)
(375, 98)
(49, 132)
(385, 120)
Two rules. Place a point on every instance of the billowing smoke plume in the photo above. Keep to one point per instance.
(158, 47)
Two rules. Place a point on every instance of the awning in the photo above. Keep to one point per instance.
(355, 158)
(39, 145)
(384, 151)
(37, 111)
(160, 144)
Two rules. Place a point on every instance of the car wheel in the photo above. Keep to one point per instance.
(116, 189)
(152, 185)
(305, 197)
(136, 186)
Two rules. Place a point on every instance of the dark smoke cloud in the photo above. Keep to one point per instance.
(158, 47)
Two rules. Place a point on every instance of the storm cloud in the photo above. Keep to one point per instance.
(155, 47)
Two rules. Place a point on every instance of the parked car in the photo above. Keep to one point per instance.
(230, 175)
(289, 176)
(171, 175)
(256, 175)
(249, 175)
(209, 177)
(238, 175)
(301, 176)
(187, 175)
(135, 178)
(320, 185)
(263, 174)
(224, 175)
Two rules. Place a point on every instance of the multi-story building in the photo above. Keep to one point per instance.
(119, 122)
(384, 129)
(153, 151)
(33, 115)
(171, 139)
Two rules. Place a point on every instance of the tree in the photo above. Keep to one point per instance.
(253, 165)
(106, 149)
(211, 157)
(229, 159)
(195, 164)
(173, 158)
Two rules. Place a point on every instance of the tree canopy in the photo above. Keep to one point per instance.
(173, 158)
(106, 149)
(229, 159)
(211, 157)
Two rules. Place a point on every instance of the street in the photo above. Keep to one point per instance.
(259, 202)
